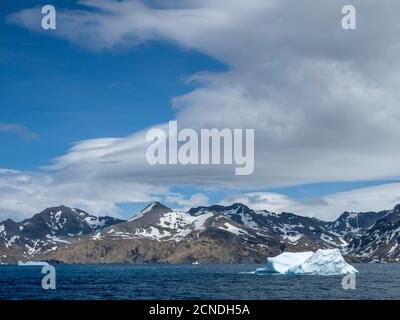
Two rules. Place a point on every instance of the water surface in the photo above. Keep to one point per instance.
(375, 281)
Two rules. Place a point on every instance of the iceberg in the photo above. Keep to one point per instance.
(322, 262)
(285, 261)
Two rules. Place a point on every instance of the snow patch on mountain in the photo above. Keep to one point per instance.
(95, 222)
(56, 239)
(232, 229)
(176, 225)
(12, 240)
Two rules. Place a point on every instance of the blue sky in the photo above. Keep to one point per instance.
(66, 94)
(56, 91)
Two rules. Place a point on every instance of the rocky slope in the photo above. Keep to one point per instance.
(215, 234)
(380, 241)
(46, 232)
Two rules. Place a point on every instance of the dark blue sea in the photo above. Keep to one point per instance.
(375, 281)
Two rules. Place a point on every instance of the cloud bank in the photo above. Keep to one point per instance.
(328, 207)
(323, 101)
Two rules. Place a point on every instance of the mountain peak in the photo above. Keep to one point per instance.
(220, 209)
(59, 208)
(239, 205)
(60, 212)
(153, 208)
(397, 207)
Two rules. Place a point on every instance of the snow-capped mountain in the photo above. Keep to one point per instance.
(159, 234)
(208, 234)
(47, 230)
(289, 228)
(353, 224)
(216, 233)
(381, 241)
(158, 222)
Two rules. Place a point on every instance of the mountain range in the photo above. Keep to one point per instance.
(214, 234)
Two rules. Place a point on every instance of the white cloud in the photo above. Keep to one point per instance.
(323, 105)
(322, 100)
(376, 198)
(185, 203)
(20, 130)
(25, 193)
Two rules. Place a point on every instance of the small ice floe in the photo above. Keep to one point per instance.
(248, 272)
(322, 262)
(32, 264)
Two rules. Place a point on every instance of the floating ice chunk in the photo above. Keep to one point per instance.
(285, 261)
(324, 262)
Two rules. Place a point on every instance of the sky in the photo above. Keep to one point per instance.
(76, 103)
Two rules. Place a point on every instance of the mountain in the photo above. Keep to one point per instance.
(214, 234)
(159, 234)
(352, 224)
(381, 241)
(290, 229)
(46, 231)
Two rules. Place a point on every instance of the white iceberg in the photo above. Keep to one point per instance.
(322, 262)
(285, 261)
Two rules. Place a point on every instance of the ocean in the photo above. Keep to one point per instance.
(100, 282)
